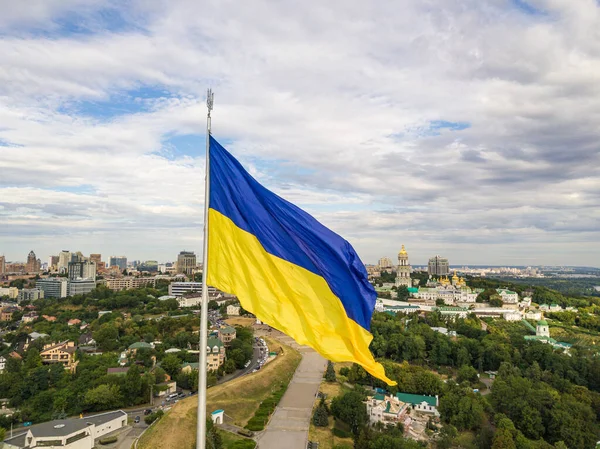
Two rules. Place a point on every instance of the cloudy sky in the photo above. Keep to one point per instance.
(465, 128)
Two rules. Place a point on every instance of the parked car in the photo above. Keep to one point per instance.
(137, 419)
(147, 411)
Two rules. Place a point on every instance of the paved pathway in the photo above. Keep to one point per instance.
(289, 424)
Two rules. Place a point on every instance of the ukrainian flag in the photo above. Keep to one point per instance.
(287, 268)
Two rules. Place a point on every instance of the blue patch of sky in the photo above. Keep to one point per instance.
(436, 126)
(6, 143)
(526, 8)
(180, 145)
(140, 99)
(443, 124)
(85, 23)
(81, 189)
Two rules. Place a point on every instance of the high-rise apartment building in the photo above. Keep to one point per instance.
(33, 264)
(118, 261)
(438, 266)
(403, 270)
(80, 286)
(186, 262)
(64, 258)
(149, 265)
(52, 262)
(78, 257)
(53, 287)
(126, 283)
(30, 294)
(182, 288)
(385, 263)
(2, 264)
(82, 270)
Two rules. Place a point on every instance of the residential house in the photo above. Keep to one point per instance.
(420, 403)
(227, 334)
(188, 367)
(73, 322)
(49, 318)
(29, 317)
(233, 310)
(133, 348)
(35, 335)
(7, 313)
(165, 388)
(454, 312)
(385, 409)
(508, 296)
(513, 316)
(62, 352)
(215, 353)
(533, 315)
(550, 308)
(120, 371)
(87, 339)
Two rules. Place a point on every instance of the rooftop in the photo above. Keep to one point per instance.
(104, 417)
(140, 345)
(58, 428)
(417, 399)
(212, 342)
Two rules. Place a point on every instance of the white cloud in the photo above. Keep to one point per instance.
(331, 105)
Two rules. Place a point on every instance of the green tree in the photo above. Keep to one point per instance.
(32, 359)
(503, 439)
(238, 356)
(229, 366)
(330, 372)
(447, 434)
(171, 364)
(103, 397)
(159, 375)
(213, 438)
(496, 301)
(107, 337)
(403, 293)
(320, 417)
(467, 373)
(350, 409)
(132, 387)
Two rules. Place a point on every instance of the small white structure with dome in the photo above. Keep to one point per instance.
(542, 329)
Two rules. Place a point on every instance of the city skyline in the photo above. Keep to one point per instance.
(465, 129)
(421, 258)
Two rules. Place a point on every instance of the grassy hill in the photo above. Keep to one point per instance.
(239, 398)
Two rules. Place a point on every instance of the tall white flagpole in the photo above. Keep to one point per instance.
(201, 425)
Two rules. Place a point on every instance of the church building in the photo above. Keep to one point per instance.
(403, 271)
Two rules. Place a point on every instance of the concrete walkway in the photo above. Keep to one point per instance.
(289, 424)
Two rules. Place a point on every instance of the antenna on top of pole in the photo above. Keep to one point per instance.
(210, 99)
(202, 368)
